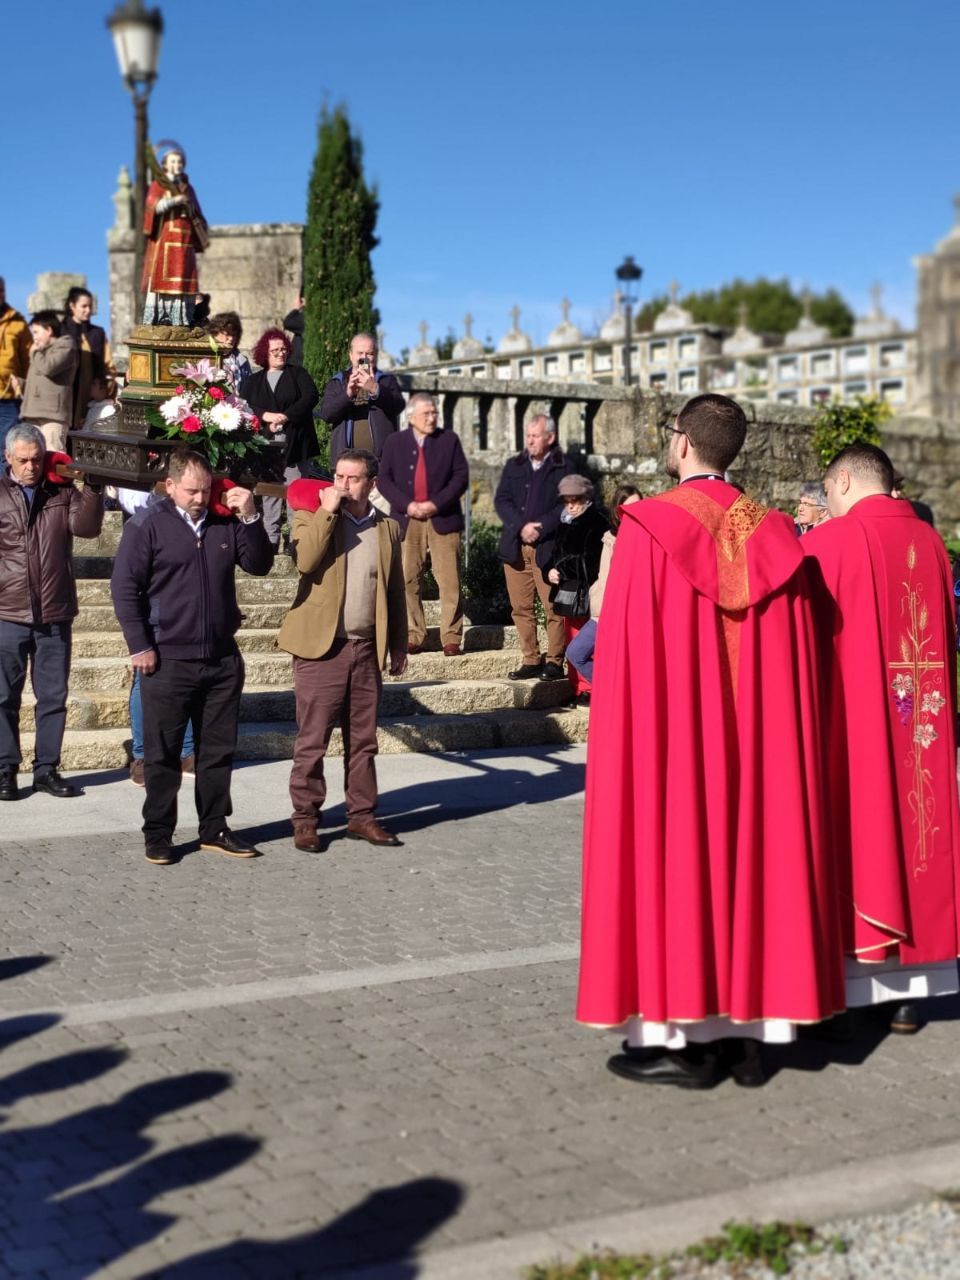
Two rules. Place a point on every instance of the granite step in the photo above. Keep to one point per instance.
(274, 669)
(108, 749)
(109, 709)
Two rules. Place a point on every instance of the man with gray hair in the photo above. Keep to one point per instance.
(811, 508)
(423, 475)
(362, 403)
(40, 514)
(528, 504)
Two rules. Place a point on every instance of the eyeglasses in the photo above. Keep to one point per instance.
(674, 430)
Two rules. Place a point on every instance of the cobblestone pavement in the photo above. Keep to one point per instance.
(305, 1064)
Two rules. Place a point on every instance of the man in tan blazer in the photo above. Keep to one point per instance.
(349, 617)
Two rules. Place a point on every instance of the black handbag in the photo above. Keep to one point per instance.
(572, 597)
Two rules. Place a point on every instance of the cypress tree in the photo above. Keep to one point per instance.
(337, 243)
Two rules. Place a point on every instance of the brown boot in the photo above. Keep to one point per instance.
(369, 829)
(306, 837)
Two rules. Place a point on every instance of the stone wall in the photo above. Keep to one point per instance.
(615, 434)
(254, 270)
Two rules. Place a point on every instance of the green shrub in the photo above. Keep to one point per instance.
(837, 425)
(483, 582)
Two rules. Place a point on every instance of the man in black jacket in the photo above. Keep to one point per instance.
(529, 506)
(362, 404)
(175, 597)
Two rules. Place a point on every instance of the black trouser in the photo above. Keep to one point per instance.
(206, 691)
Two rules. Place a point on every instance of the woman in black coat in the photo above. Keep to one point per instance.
(572, 559)
(283, 396)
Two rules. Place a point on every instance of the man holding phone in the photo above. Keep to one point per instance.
(362, 404)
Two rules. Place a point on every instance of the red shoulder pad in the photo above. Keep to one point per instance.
(304, 495)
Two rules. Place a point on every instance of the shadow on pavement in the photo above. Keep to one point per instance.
(48, 1227)
(14, 966)
(377, 1238)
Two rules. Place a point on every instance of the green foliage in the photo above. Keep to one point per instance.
(770, 1244)
(483, 579)
(337, 242)
(445, 345)
(774, 1245)
(837, 425)
(771, 307)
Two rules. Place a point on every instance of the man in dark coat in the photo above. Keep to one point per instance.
(529, 506)
(40, 514)
(362, 404)
(175, 595)
(423, 475)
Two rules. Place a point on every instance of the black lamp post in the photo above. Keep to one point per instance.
(136, 37)
(628, 273)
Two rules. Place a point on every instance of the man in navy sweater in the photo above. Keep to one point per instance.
(175, 597)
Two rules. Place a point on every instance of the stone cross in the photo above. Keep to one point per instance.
(876, 293)
(424, 330)
(468, 325)
(617, 303)
(380, 337)
(565, 310)
(956, 204)
(515, 313)
(743, 312)
(806, 297)
(674, 290)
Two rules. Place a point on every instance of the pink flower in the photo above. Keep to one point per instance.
(192, 423)
(214, 393)
(255, 424)
(180, 390)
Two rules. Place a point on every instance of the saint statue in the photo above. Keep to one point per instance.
(176, 232)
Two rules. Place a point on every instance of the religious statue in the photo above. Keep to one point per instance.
(176, 232)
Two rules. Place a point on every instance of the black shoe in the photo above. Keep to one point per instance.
(905, 1020)
(552, 671)
(160, 853)
(695, 1067)
(582, 700)
(742, 1059)
(230, 844)
(528, 671)
(51, 782)
(8, 784)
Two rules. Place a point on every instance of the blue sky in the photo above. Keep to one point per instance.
(520, 149)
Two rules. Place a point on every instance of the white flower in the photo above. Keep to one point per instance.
(175, 409)
(225, 417)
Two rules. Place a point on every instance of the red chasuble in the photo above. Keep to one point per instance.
(890, 667)
(706, 888)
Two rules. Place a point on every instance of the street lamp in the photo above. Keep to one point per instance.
(136, 37)
(628, 273)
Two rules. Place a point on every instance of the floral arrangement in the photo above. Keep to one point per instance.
(207, 414)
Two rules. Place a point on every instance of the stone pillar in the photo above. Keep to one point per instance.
(121, 246)
(52, 289)
(938, 328)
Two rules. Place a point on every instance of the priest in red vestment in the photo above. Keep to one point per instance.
(886, 614)
(710, 918)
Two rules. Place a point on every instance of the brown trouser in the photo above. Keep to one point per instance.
(345, 683)
(524, 581)
(444, 549)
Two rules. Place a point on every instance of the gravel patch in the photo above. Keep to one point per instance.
(919, 1243)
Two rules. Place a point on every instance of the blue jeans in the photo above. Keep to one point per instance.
(580, 649)
(9, 414)
(136, 724)
(45, 650)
